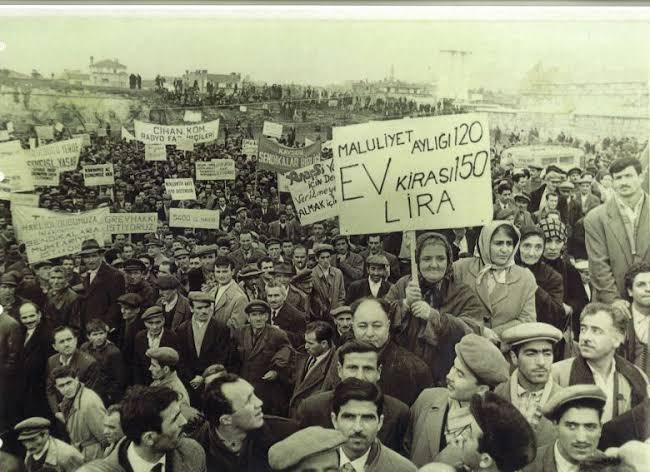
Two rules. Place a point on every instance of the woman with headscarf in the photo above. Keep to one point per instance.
(550, 288)
(506, 290)
(575, 297)
(431, 315)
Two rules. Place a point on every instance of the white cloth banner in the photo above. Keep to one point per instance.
(99, 174)
(216, 169)
(192, 116)
(180, 189)
(126, 135)
(150, 133)
(155, 152)
(190, 218)
(274, 130)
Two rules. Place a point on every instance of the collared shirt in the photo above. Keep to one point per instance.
(38, 456)
(65, 361)
(631, 218)
(170, 306)
(606, 384)
(155, 342)
(374, 287)
(318, 360)
(221, 290)
(28, 335)
(92, 274)
(359, 463)
(527, 402)
(139, 464)
(641, 325)
(198, 330)
(561, 463)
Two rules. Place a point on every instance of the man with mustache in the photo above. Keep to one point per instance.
(357, 412)
(530, 385)
(602, 331)
(576, 411)
(616, 233)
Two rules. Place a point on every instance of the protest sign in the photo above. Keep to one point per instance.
(58, 126)
(271, 129)
(333, 103)
(216, 169)
(10, 126)
(544, 155)
(5, 189)
(10, 147)
(180, 189)
(17, 175)
(185, 145)
(308, 142)
(24, 199)
(421, 173)
(62, 154)
(155, 152)
(313, 191)
(126, 135)
(4, 135)
(85, 139)
(150, 133)
(276, 157)
(243, 108)
(44, 132)
(101, 132)
(192, 116)
(283, 183)
(98, 174)
(186, 218)
(126, 223)
(48, 234)
(249, 147)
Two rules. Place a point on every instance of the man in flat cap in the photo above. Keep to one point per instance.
(342, 317)
(134, 273)
(522, 200)
(153, 423)
(586, 198)
(577, 412)
(130, 308)
(358, 412)
(229, 299)
(154, 249)
(249, 280)
(163, 364)
(313, 449)
(530, 385)
(203, 277)
(299, 291)
(553, 177)
(329, 288)
(236, 434)
(376, 247)
(350, 263)
(8, 298)
(176, 307)
(274, 250)
(102, 285)
(264, 356)
(440, 417)
(284, 315)
(153, 335)
(62, 302)
(602, 332)
(202, 342)
(375, 285)
(182, 262)
(45, 452)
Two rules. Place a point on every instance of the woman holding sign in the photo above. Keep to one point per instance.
(506, 290)
(432, 313)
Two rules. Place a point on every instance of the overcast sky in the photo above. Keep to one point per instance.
(324, 52)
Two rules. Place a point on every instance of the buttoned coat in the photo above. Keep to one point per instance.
(229, 309)
(99, 299)
(351, 267)
(307, 384)
(610, 253)
(85, 423)
(330, 292)
(88, 370)
(426, 426)
(141, 362)
(361, 288)
(293, 322)
(36, 352)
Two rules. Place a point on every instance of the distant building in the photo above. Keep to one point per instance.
(75, 77)
(226, 82)
(108, 73)
(12, 74)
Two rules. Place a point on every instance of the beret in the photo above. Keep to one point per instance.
(31, 427)
(377, 259)
(134, 264)
(167, 282)
(340, 311)
(282, 268)
(571, 393)
(152, 312)
(200, 297)
(526, 332)
(257, 306)
(323, 248)
(9, 279)
(164, 355)
(203, 250)
(303, 444)
(132, 299)
(248, 271)
(272, 241)
(484, 359)
(302, 277)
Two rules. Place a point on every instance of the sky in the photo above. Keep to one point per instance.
(320, 52)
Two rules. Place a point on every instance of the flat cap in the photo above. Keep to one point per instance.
(567, 185)
(240, 209)
(572, 393)
(574, 170)
(484, 359)
(535, 166)
(303, 444)
(223, 242)
(521, 196)
(302, 278)
(131, 299)
(257, 306)
(526, 332)
(181, 252)
(282, 268)
(341, 311)
(273, 241)
(154, 242)
(9, 279)
(167, 282)
(200, 297)
(39, 264)
(377, 259)
(555, 169)
(585, 179)
(207, 249)
(164, 355)
(31, 427)
(134, 264)
(248, 271)
(323, 248)
(153, 312)
(214, 369)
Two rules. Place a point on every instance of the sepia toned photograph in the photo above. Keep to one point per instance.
(324, 238)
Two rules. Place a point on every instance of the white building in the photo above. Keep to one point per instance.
(108, 73)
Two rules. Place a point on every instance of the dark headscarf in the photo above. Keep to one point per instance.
(527, 231)
(433, 292)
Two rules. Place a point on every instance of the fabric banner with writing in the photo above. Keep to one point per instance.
(313, 192)
(150, 133)
(98, 174)
(180, 189)
(276, 157)
(127, 223)
(155, 152)
(191, 218)
(274, 130)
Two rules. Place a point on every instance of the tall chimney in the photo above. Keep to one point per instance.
(92, 60)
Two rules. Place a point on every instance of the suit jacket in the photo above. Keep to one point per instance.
(332, 294)
(307, 384)
(88, 371)
(271, 215)
(426, 425)
(536, 199)
(544, 460)
(240, 257)
(35, 354)
(592, 202)
(361, 288)
(141, 362)
(181, 312)
(293, 322)
(85, 423)
(381, 458)
(608, 246)
(631, 425)
(229, 310)
(11, 347)
(315, 411)
(351, 267)
(393, 261)
(99, 299)
(292, 230)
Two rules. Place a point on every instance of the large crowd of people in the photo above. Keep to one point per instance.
(268, 345)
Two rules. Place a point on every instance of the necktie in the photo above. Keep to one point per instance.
(347, 467)
(310, 363)
(157, 468)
